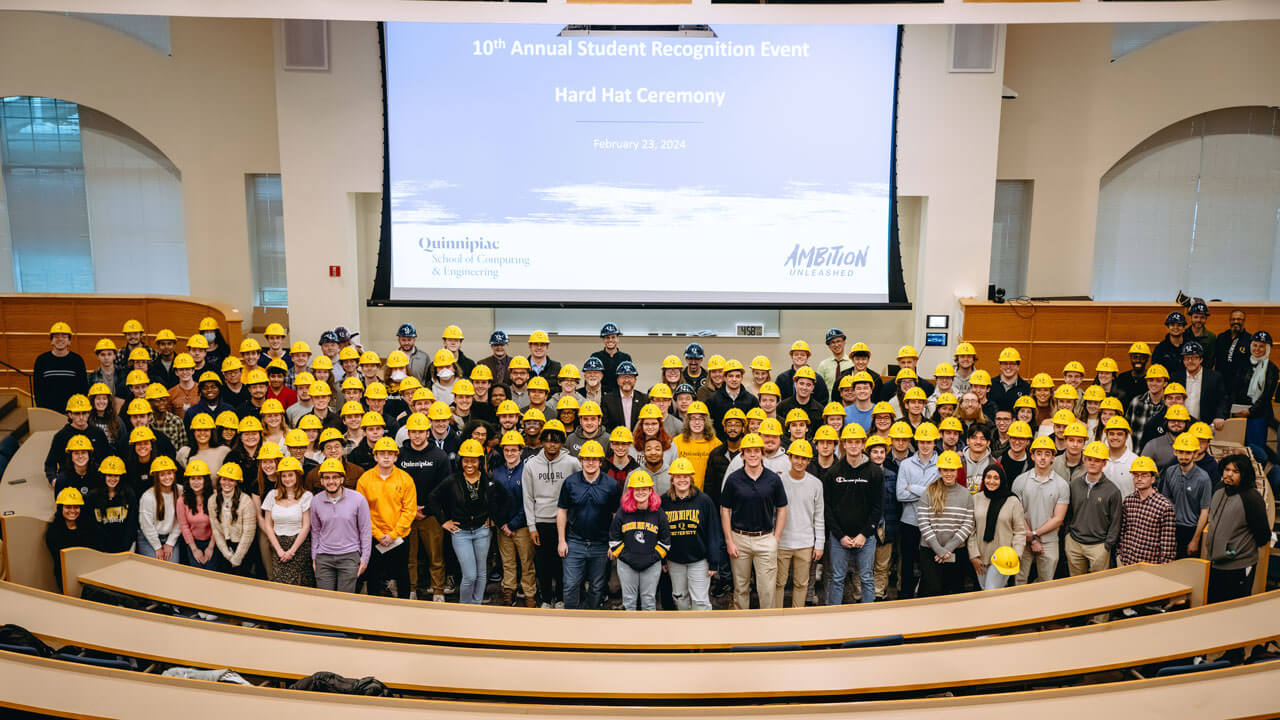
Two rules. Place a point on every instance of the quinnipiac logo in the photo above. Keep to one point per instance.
(432, 244)
(825, 261)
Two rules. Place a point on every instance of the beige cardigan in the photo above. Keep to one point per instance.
(1011, 528)
(243, 532)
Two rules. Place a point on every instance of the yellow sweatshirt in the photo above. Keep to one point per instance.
(393, 503)
(698, 451)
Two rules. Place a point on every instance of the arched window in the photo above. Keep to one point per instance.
(87, 204)
(1195, 208)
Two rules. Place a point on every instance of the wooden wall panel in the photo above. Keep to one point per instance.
(996, 323)
(1068, 324)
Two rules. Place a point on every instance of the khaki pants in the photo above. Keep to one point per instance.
(1083, 559)
(1046, 563)
(517, 546)
(797, 563)
(760, 553)
(427, 533)
(884, 555)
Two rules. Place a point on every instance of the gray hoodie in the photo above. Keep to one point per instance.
(541, 484)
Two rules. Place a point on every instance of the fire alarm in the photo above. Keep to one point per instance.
(335, 271)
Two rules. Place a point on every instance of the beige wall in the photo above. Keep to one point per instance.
(1078, 113)
(210, 108)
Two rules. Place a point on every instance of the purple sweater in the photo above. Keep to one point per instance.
(341, 527)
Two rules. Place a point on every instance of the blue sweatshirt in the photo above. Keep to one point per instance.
(510, 478)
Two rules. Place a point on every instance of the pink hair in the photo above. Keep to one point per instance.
(629, 500)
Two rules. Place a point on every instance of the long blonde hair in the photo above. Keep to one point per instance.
(937, 495)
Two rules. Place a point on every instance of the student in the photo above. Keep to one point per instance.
(1093, 518)
(1168, 352)
(515, 547)
(833, 369)
(610, 356)
(1045, 497)
(451, 338)
(234, 392)
(466, 504)
(590, 427)
(695, 538)
(568, 384)
(372, 429)
(80, 475)
(714, 376)
(158, 528)
(999, 521)
(803, 539)
(753, 514)
(877, 450)
(1016, 460)
(915, 474)
(105, 373)
(730, 395)
(286, 515)
(277, 373)
(540, 364)
(193, 517)
(639, 539)
(1143, 407)
(585, 505)
(70, 527)
(694, 374)
(247, 448)
(429, 466)
(1256, 383)
(59, 373)
(393, 505)
(340, 530)
(114, 508)
(1190, 490)
(946, 521)
(853, 490)
(162, 358)
(1237, 528)
(203, 444)
(1009, 386)
(806, 395)
(770, 396)
(234, 523)
(697, 440)
(966, 358)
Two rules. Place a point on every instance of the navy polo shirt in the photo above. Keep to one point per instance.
(753, 503)
(590, 506)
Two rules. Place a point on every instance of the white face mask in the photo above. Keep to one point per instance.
(210, 335)
(398, 375)
(444, 373)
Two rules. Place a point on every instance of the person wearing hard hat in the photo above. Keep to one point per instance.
(233, 519)
(999, 530)
(407, 341)
(210, 400)
(70, 527)
(770, 396)
(106, 372)
(1069, 464)
(858, 405)
(78, 409)
(134, 339)
(610, 356)
(582, 500)
(1198, 314)
(393, 505)
(800, 354)
(540, 363)
(1206, 390)
(161, 367)
(466, 504)
(139, 413)
(696, 441)
(1159, 447)
(761, 373)
(639, 539)
(114, 507)
(1010, 385)
(944, 380)
(1168, 352)
(234, 391)
(1256, 388)
(1147, 529)
(877, 450)
(1016, 459)
(498, 358)
(276, 350)
(1147, 405)
(670, 372)
(276, 387)
(593, 380)
(1093, 525)
(966, 359)
(1133, 382)
(590, 426)
(730, 395)
(714, 377)
(753, 514)
(695, 539)
(451, 339)
(158, 527)
(80, 473)
(1106, 374)
(1045, 497)
(945, 518)
(694, 374)
(58, 373)
(539, 390)
(622, 406)
(515, 547)
(341, 533)
(299, 361)
(1120, 454)
(805, 395)
(193, 508)
(568, 384)
(1231, 349)
(543, 477)
(1189, 488)
(853, 491)
(203, 443)
(429, 465)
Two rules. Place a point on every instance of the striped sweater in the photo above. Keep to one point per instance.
(943, 532)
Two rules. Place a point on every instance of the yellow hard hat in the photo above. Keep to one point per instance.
(256, 376)
(397, 359)
(249, 423)
(163, 463)
(203, 421)
(639, 479)
(320, 389)
(833, 408)
(155, 391)
(519, 362)
(461, 386)
(232, 363)
(80, 403)
(804, 372)
(671, 362)
(1076, 429)
(1020, 429)
(1107, 364)
(351, 382)
(751, 440)
(139, 377)
(906, 374)
(371, 419)
(908, 351)
(1097, 450)
(697, 407)
(1065, 392)
(770, 388)
(552, 425)
(877, 440)
(1010, 354)
(60, 327)
(926, 432)
(132, 326)
(1175, 388)
(452, 332)
(1139, 348)
(852, 431)
(539, 383)
(1044, 442)
(965, 348)
(299, 348)
(1094, 393)
(826, 432)
(387, 444)
(378, 391)
(589, 449)
(661, 391)
(69, 496)
(800, 346)
(680, 466)
(981, 378)
(249, 345)
(111, 465)
(1156, 370)
(951, 422)
(1201, 431)
(270, 451)
(859, 347)
(567, 402)
(733, 366)
(1143, 464)
(227, 419)
(417, 422)
(183, 361)
(1005, 560)
(231, 471)
(735, 414)
(760, 362)
(801, 448)
(900, 431)
(797, 415)
(1118, 423)
(508, 407)
(409, 383)
(471, 448)
(197, 342)
(845, 382)
(950, 460)
(439, 411)
(915, 393)
(770, 426)
(715, 362)
(296, 438)
(568, 371)
(513, 437)
(947, 398)
(1073, 366)
(1177, 412)
(861, 376)
(539, 336)
(271, 406)
(944, 370)
(289, 464)
(166, 334)
(332, 465)
(208, 324)
(1041, 380)
(882, 408)
(196, 467)
(328, 435)
(756, 413)
(348, 353)
(208, 376)
(310, 422)
(139, 354)
(274, 329)
(141, 433)
(79, 442)
(1063, 417)
(1112, 403)
(106, 344)
(138, 406)
(369, 357)
(483, 373)
(319, 362)
(621, 435)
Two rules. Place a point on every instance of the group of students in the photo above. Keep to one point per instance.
(708, 483)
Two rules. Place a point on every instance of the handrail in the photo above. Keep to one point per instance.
(31, 388)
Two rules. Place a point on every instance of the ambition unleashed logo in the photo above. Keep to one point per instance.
(825, 261)
(431, 245)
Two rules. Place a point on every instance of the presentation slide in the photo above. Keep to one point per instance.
(741, 164)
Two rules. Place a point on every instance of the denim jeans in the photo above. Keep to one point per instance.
(587, 560)
(472, 549)
(690, 585)
(639, 585)
(864, 559)
(143, 547)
